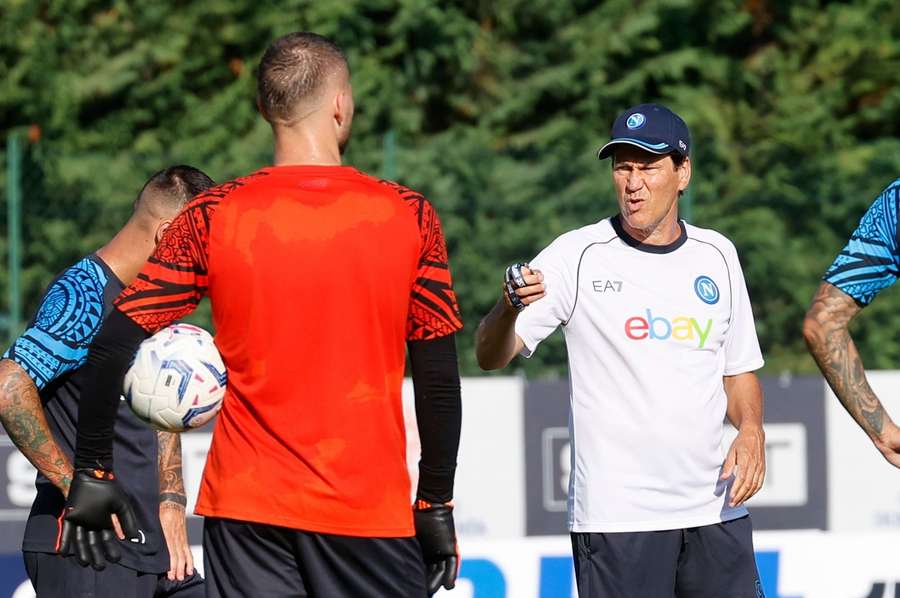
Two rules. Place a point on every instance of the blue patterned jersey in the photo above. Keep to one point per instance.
(870, 262)
(52, 350)
(66, 322)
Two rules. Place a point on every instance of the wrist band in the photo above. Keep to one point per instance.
(179, 499)
(513, 280)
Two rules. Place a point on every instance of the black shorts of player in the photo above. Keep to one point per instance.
(56, 577)
(265, 561)
(712, 561)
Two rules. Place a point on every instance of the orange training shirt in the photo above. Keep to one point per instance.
(317, 276)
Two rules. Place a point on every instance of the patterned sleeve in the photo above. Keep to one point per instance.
(66, 322)
(174, 279)
(433, 309)
(869, 263)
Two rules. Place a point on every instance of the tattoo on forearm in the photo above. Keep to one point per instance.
(839, 360)
(171, 482)
(22, 415)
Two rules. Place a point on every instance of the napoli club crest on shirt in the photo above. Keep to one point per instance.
(707, 290)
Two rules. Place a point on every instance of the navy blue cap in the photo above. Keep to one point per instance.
(651, 127)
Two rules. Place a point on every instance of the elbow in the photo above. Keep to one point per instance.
(812, 328)
(486, 354)
(484, 360)
(487, 363)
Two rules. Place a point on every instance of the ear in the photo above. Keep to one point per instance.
(684, 174)
(340, 107)
(343, 105)
(259, 107)
(161, 229)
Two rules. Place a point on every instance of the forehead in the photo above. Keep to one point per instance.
(630, 153)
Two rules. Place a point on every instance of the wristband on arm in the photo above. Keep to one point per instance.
(515, 279)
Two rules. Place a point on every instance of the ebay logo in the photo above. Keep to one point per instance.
(659, 328)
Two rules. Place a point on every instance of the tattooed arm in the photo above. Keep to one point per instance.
(22, 415)
(829, 341)
(172, 503)
(171, 482)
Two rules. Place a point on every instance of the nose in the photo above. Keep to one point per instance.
(634, 181)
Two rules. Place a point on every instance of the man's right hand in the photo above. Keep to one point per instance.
(889, 444)
(86, 524)
(522, 286)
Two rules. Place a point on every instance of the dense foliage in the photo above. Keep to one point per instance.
(497, 108)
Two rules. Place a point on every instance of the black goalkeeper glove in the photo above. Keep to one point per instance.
(437, 537)
(85, 523)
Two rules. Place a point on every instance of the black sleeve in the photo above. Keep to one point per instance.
(109, 356)
(435, 374)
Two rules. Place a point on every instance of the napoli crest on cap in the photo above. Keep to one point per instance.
(635, 121)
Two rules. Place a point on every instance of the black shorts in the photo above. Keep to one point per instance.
(712, 561)
(265, 561)
(56, 577)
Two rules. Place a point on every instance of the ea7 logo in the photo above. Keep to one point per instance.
(604, 286)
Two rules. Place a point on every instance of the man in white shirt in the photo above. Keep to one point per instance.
(662, 348)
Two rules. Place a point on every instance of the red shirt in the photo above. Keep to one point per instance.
(317, 276)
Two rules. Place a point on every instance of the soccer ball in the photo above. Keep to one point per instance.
(177, 379)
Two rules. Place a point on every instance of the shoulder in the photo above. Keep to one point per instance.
(571, 245)
(880, 220)
(69, 316)
(73, 303)
(413, 199)
(713, 238)
(419, 207)
(214, 195)
(891, 193)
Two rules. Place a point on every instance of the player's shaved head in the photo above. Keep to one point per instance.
(166, 192)
(294, 72)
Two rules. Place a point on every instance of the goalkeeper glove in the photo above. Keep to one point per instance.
(85, 524)
(437, 537)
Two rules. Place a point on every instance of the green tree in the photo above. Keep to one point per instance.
(498, 108)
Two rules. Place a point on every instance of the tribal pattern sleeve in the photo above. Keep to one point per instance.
(175, 278)
(66, 322)
(55, 343)
(870, 262)
(433, 309)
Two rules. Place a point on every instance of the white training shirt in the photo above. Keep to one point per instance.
(650, 331)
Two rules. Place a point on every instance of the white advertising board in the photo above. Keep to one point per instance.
(863, 488)
(489, 493)
(817, 564)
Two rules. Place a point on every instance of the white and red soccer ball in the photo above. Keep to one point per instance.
(177, 379)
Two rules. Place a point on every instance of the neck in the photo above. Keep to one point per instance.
(664, 232)
(126, 253)
(301, 145)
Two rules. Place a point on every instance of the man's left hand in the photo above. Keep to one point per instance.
(174, 527)
(747, 461)
(436, 534)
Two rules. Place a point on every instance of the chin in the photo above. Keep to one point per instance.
(638, 221)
